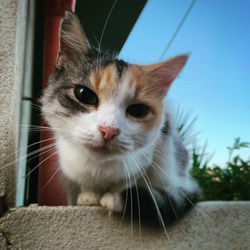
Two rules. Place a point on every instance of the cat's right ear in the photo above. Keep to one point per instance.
(72, 40)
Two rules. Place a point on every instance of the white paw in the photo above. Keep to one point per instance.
(112, 202)
(88, 198)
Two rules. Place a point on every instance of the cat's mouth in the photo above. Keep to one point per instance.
(99, 149)
(106, 149)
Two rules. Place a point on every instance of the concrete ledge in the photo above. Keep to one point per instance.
(211, 225)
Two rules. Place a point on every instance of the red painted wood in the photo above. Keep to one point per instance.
(50, 190)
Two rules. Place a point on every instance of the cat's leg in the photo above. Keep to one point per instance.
(112, 201)
(78, 197)
(88, 198)
(72, 189)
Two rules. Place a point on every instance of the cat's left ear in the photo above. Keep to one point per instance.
(165, 72)
(73, 41)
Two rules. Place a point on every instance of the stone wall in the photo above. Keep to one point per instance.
(9, 99)
(210, 225)
(13, 27)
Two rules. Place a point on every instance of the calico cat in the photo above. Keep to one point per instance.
(116, 141)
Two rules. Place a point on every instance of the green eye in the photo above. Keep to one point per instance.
(86, 95)
(138, 110)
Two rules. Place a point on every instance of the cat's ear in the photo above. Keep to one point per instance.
(72, 40)
(165, 72)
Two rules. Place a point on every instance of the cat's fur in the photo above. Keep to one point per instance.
(145, 158)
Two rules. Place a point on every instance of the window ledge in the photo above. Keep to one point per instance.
(211, 225)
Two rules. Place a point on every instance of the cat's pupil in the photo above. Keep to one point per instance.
(138, 110)
(85, 95)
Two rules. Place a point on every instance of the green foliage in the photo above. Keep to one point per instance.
(185, 122)
(237, 145)
(229, 183)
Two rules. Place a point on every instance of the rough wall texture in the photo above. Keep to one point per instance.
(8, 98)
(211, 225)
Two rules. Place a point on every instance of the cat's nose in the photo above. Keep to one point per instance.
(108, 132)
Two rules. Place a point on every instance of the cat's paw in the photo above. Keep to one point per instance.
(112, 202)
(88, 198)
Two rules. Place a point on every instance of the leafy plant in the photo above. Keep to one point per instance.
(229, 183)
(237, 145)
(185, 122)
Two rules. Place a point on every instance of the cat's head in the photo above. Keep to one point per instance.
(103, 104)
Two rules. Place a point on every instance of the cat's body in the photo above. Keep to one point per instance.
(113, 133)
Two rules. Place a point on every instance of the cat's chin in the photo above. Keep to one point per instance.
(103, 152)
(99, 149)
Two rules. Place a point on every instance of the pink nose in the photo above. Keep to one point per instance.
(108, 132)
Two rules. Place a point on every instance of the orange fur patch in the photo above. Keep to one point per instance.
(146, 92)
(106, 82)
(97, 80)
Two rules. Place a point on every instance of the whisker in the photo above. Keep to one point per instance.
(126, 197)
(154, 164)
(99, 58)
(138, 204)
(163, 183)
(106, 22)
(50, 179)
(151, 193)
(14, 189)
(33, 169)
(131, 206)
(36, 106)
(23, 148)
(42, 127)
(48, 112)
(185, 195)
(25, 156)
(195, 207)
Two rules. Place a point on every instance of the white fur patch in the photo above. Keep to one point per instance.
(88, 198)
(112, 202)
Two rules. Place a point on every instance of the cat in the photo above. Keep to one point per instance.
(116, 142)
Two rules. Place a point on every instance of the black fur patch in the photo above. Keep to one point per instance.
(166, 129)
(99, 58)
(181, 155)
(70, 104)
(170, 210)
(120, 65)
(102, 59)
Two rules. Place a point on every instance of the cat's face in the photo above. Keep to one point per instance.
(105, 105)
(105, 112)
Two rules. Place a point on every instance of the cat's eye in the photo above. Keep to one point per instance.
(86, 95)
(138, 110)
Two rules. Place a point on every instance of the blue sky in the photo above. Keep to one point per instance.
(215, 83)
